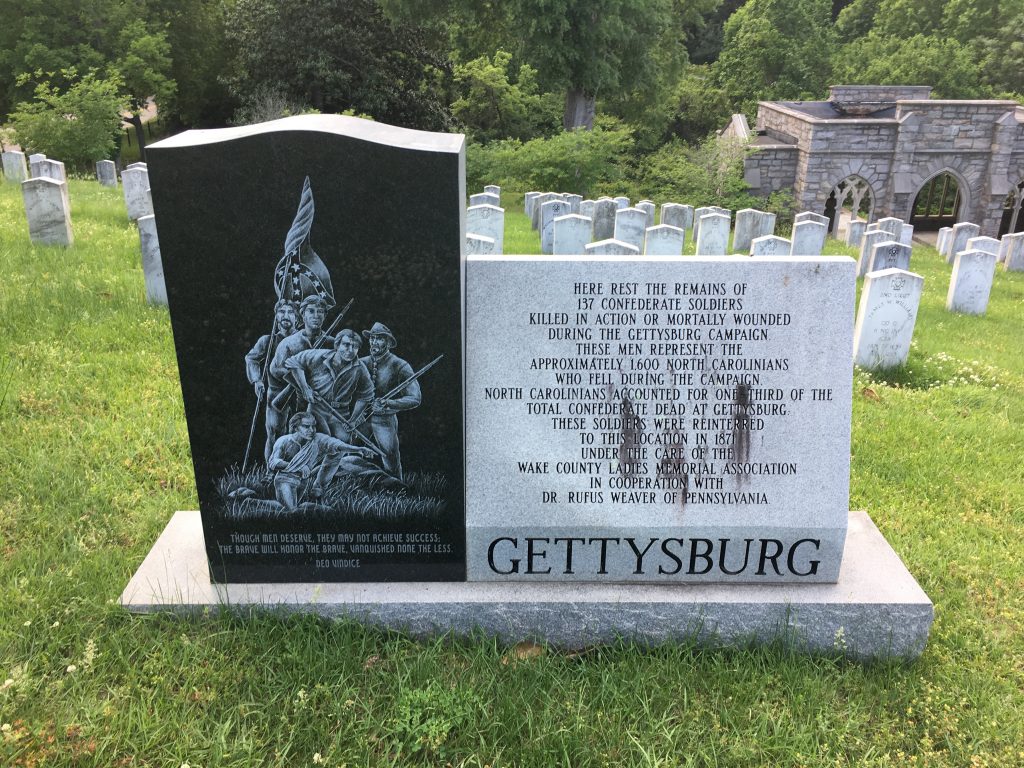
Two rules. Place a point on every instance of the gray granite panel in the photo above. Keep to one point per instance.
(695, 409)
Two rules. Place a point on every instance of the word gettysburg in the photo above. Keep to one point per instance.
(591, 556)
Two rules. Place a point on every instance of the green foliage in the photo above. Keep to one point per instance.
(698, 106)
(427, 718)
(78, 124)
(776, 49)
(334, 55)
(572, 161)
(491, 106)
(710, 173)
(948, 66)
(1001, 57)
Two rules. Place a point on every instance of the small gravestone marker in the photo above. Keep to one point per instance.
(574, 202)
(907, 235)
(489, 221)
(134, 183)
(611, 247)
(751, 223)
(604, 219)
(712, 235)
(810, 216)
(986, 244)
(886, 318)
(550, 211)
(106, 173)
(33, 165)
(587, 208)
(892, 225)
(528, 199)
(872, 237)
(492, 189)
(770, 245)
(889, 255)
(51, 169)
(697, 214)
(855, 232)
(152, 265)
(809, 238)
(572, 233)
(961, 233)
(621, 202)
(971, 282)
(47, 211)
(630, 226)
(664, 240)
(650, 209)
(480, 245)
(676, 215)
(15, 167)
(1013, 258)
(538, 202)
(943, 240)
(485, 198)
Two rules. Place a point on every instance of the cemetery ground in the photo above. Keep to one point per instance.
(94, 460)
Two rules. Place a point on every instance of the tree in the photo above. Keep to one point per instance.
(335, 55)
(776, 49)
(78, 125)
(585, 49)
(491, 106)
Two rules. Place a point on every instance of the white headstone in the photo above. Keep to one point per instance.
(987, 244)
(134, 183)
(492, 189)
(809, 237)
(855, 232)
(971, 282)
(630, 226)
(587, 208)
(47, 211)
(676, 215)
(51, 169)
(892, 225)
(611, 247)
(889, 255)
(650, 209)
(713, 235)
(106, 173)
(489, 221)
(604, 219)
(1013, 259)
(528, 199)
(697, 214)
(538, 202)
(15, 167)
(33, 165)
(770, 245)
(550, 211)
(886, 318)
(572, 233)
(480, 245)
(872, 237)
(943, 240)
(574, 202)
(621, 202)
(962, 232)
(485, 198)
(751, 223)
(664, 240)
(152, 266)
(907, 235)
(810, 216)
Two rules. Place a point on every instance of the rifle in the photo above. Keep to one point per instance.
(365, 416)
(348, 425)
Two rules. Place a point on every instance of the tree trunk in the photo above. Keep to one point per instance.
(579, 110)
(140, 135)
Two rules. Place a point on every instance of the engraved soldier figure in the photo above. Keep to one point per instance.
(387, 371)
(303, 452)
(285, 320)
(335, 382)
(313, 310)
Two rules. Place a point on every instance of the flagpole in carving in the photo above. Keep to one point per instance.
(298, 274)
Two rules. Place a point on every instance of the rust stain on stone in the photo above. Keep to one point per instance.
(741, 425)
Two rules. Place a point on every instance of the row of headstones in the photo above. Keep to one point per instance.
(485, 223)
(891, 293)
(568, 224)
(47, 202)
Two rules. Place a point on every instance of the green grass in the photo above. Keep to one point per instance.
(94, 460)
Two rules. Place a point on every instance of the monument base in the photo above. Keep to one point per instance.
(876, 609)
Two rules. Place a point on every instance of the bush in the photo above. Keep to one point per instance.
(580, 161)
(78, 126)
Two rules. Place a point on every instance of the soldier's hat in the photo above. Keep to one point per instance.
(379, 329)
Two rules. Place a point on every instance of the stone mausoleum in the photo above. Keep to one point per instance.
(879, 151)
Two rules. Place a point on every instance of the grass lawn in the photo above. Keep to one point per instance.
(94, 460)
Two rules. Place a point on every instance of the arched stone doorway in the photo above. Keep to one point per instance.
(937, 204)
(1013, 212)
(852, 198)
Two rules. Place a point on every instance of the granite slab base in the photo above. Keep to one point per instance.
(877, 609)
